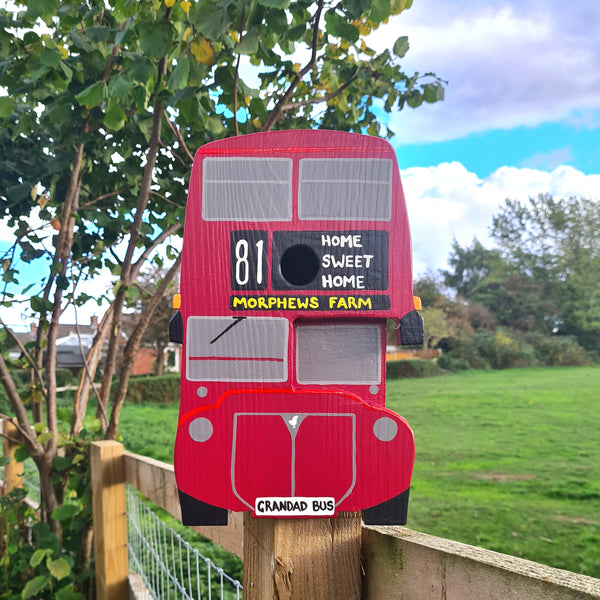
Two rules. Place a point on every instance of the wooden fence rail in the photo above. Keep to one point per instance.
(398, 563)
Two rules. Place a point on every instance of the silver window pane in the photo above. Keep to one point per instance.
(353, 189)
(342, 353)
(234, 349)
(246, 189)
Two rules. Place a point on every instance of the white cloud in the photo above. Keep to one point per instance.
(508, 64)
(448, 202)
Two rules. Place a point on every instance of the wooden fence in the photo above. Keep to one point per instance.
(397, 563)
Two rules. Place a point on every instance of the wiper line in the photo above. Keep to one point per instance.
(236, 320)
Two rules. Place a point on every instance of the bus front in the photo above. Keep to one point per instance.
(296, 251)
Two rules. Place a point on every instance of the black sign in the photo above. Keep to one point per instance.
(330, 260)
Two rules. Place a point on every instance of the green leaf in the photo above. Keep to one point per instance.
(37, 557)
(155, 39)
(415, 98)
(275, 3)
(21, 453)
(92, 95)
(40, 305)
(141, 70)
(337, 26)
(249, 43)
(401, 46)
(119, 87)
(181, 74)
(380, 10)
(34, 586)
(432, 92)
(50, 58)
(59, 568)
(45, 437)
(91, 424)
(114, 118)
(6, 106)
(66, 511)
(98, 33)
(61, 463)
(41, 8)
(68, 593)
(210, 18)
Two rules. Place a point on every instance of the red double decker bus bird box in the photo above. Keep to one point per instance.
(296, 251)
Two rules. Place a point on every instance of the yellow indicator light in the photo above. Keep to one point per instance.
(177, 301)
(417, 302)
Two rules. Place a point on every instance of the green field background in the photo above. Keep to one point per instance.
(507, 460)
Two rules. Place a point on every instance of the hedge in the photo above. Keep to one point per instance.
(403, 369)
(162, 388)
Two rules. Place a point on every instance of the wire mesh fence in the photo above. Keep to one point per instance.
(165, 566)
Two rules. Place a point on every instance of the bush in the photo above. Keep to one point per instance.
(64, 377)
(555, 351)
(502, 351)
(447, 362)
(403, 369)
(162, 388)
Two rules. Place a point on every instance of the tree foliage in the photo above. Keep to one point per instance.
(105, 103)
(555, 243)
(544, 278)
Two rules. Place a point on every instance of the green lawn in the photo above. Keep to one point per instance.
(507, 460)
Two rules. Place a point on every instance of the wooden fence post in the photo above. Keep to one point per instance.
(13, 471)
(296, 559)
(110, 520)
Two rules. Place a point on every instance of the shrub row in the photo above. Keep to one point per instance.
(163, 388)
(503, 349)
(403, 369)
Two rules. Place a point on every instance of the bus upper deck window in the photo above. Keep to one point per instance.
(246, 189)
(347, 189)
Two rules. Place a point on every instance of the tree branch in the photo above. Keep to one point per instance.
(132, 346)
(22, 424)
(155, 242)
(177, 133)
(26, 354)
(236, 75)
(326, 98)
(275, 114)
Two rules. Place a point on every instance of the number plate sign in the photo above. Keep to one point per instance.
(295, 507)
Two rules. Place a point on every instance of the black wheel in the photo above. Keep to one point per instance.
(197, 513)
(391, 512)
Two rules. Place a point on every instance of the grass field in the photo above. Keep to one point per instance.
(507, 460)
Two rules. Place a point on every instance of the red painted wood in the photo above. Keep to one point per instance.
(283, 377)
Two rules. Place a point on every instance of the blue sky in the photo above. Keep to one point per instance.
(521, 114)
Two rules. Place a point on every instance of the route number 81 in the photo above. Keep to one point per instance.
(248, 260)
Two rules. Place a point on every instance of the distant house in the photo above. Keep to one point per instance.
(153, 349)
(72, 345)
(74, 342)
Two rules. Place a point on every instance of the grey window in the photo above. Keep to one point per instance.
(352, 189)
(236, 349)
(246, 189)
(338, 353)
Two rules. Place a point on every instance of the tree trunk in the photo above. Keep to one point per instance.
(160, 360)
(132, 347)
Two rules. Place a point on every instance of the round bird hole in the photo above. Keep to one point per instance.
(299, 265)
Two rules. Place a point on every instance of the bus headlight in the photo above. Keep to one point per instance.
(385, 429)
(200, 429)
